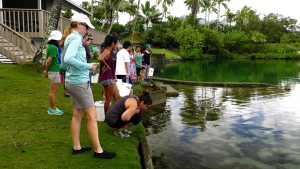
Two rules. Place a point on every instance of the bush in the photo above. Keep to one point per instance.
(160, 35)
(213, 41)
(190, 41)
(237, 42)
(278, 48)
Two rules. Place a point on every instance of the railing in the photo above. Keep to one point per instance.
(12, 41)
(32, 23)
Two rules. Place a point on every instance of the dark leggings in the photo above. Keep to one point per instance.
(135, 119)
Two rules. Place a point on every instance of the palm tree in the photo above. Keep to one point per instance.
(40, 56)
(208, 7)
(165, 5)
(150, 14)
(229, 16)
(221, 2)
(131, 8)
(194, 6)
(135, 19)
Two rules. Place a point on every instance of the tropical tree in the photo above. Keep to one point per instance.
(247, 20)
(150, 14)
(67, 12)
(221, 2)
(165, 4)
(40, 56)
(194, 6)
(131, 8)
(135, 19)
(229, 17)
(275, 25)
(86, 5)
(208, 6)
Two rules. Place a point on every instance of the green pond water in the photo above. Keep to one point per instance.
(213, 127)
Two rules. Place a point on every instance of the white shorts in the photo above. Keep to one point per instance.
(54, 77)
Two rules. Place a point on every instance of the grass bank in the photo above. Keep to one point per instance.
(30, 138)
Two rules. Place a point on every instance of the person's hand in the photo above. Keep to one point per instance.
(45, 73)
(93, 68)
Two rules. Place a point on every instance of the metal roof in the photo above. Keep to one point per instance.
(76, 7)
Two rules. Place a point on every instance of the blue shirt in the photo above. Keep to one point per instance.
(74, 60)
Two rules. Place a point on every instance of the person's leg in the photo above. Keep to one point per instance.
(75, 127)
(108, 95)
(142, 74)
(92, 128)
(125, 127)
(115, 93)
(134, 120)
(147, 72)
(52, 94)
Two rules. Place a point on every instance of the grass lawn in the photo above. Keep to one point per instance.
(138, 39)
(30, 138)
(168, 53)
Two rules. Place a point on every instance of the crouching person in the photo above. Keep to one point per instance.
(126, 112)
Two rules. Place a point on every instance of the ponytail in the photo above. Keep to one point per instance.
(67, 32)
(145, 97)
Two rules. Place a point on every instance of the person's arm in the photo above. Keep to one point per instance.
(70, 55)
(104, 55)
(131, 107)
(127, 64)
(90, 55)
(48, 63)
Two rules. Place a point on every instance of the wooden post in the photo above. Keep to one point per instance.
(40, 19)
(1, 12)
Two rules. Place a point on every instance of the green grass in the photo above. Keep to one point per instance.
(138, 39)
(30, 138)
(169, 54)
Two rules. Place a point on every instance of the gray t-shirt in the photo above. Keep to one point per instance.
(117, 109)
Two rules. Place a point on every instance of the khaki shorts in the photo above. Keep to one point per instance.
(81, 95)
(54, 77)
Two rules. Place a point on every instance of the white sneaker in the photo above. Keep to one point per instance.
(121, 134)
(127, 131)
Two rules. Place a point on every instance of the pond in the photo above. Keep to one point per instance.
(212, 127)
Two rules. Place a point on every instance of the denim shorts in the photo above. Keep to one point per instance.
(108, 82)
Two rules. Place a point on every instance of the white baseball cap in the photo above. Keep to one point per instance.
(81, 18)
(55, 35)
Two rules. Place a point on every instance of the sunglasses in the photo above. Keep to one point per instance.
(86, 26)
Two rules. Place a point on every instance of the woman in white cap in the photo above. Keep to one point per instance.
(52, 70)
(77, 84)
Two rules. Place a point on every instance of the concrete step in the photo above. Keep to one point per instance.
(4, 59)
(170, 91)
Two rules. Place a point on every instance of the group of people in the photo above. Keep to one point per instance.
(122, 114)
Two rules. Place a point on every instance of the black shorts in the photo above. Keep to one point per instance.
(138, 71)
(135, 119)
(123, 77)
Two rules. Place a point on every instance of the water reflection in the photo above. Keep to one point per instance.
(207, 127)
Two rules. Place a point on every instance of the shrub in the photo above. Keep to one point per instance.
(190, 41)
(213, 40)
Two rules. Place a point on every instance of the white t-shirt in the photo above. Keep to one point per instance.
(122, 57)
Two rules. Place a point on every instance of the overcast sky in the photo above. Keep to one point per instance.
(285, 7)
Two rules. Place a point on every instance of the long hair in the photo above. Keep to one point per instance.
(109, 40)
(67, 32)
